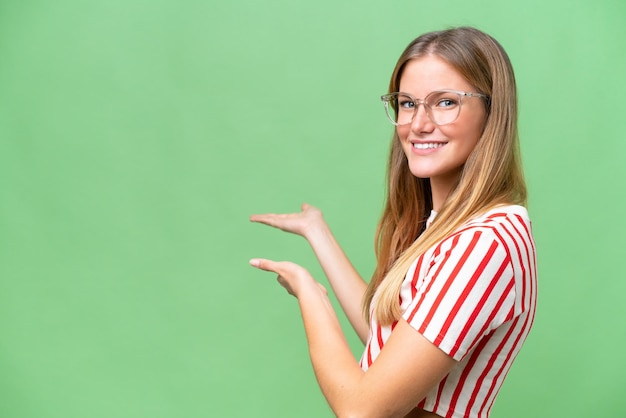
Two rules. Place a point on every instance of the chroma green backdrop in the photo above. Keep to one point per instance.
(136, 138)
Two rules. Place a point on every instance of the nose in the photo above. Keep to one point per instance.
(421, 120)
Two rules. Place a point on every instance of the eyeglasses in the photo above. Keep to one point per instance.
(442, 107)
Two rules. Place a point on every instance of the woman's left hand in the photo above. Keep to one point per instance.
(293, 277)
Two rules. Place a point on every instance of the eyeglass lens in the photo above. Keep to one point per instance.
(442, 107)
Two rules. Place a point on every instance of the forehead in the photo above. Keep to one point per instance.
(425, 74)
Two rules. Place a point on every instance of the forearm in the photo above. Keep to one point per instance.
(405, 371)
(336, 369)
(345, 281)
(415, 363)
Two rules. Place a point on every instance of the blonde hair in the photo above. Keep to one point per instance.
(491, 176)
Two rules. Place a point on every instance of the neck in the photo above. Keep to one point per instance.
(440, 189)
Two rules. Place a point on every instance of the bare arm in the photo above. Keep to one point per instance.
(345, 281)
(408, 367)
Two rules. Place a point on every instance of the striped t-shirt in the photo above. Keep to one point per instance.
(473, 295)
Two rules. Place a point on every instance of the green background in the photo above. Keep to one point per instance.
(137, 136)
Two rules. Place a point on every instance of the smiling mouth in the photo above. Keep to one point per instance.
(429, 145)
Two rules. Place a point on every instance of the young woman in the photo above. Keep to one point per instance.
(453, 295)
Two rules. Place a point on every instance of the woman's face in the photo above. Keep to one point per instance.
(432, 151)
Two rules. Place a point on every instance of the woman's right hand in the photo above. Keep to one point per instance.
(300, 223)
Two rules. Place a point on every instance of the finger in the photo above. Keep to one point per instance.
(264, 264)
(278, 267)
(273, 220)
(282, 268)
(285, 284)
(265, 218)
(281, 280)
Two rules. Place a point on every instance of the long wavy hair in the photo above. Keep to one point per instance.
(491, 176)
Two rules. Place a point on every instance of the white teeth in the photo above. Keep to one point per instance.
(429, 145)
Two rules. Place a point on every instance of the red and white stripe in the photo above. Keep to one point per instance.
(474, 296)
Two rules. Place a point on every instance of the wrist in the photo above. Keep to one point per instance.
(317, 232)
(313, 298)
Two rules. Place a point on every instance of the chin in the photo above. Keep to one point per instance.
(422, 173)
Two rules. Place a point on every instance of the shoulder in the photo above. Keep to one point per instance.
(500, 216)
(502, 224)
(503, 229)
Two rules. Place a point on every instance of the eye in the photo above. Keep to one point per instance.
(443, 100)
(446, 103)
(405, 103)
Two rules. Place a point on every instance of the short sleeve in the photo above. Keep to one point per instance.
(467, 291)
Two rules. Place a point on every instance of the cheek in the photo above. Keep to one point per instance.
(476, 132)
(469, 132)
(476, 126)
(402, 131)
